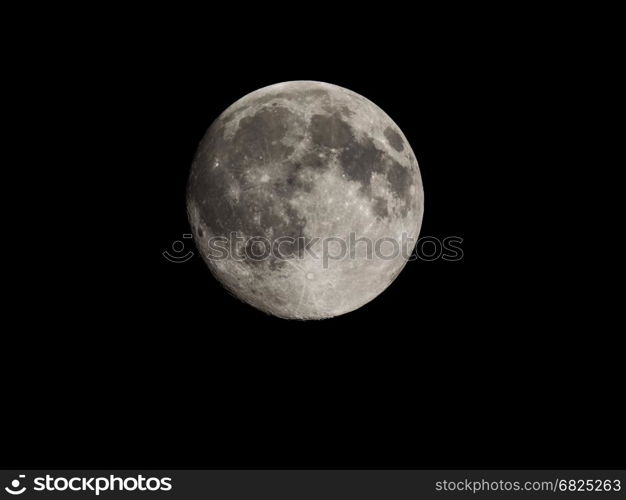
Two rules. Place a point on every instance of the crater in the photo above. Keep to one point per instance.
(359, 160)
(394, 139)
(313, 159)
(330, 131)
(400, 179)
(379, 207)
(259, 135)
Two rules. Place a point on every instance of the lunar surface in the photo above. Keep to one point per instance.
(288, 186)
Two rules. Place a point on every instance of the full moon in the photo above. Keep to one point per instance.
(305, 200)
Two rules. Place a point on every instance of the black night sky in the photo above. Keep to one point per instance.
(130, 360)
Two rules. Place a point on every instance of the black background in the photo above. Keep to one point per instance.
(123, 359)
